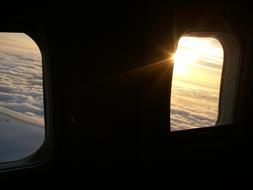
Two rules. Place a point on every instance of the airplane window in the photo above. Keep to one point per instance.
(196, 82)
(22, 128)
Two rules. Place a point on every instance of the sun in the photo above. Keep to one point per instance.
(194, 52)
(183, 58)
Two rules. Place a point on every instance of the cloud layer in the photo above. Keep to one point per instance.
(193, 106)
(196, 83)
(21, 85)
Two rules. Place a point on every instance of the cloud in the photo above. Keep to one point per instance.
(21, 82)
(193, 108)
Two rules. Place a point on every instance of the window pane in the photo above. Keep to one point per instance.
(22, 128)
(196, 83)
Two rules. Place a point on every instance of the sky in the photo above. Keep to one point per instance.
(18, 139)
(21, 97)
(196, 82)
(21, 85)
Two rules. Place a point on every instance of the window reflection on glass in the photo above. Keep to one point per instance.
(196, 83)
(22, 128)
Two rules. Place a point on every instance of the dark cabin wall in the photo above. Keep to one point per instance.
(224, 150)
(99, 77)
(111, 107)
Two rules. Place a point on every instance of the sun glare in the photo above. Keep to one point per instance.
(182, 60)
(191, 51)
(196, 83)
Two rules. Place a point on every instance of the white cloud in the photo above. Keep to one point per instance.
(21, 81)
(21, 97)
(193, 108)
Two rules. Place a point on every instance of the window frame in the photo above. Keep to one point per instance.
(45, 150)
(229, 42)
